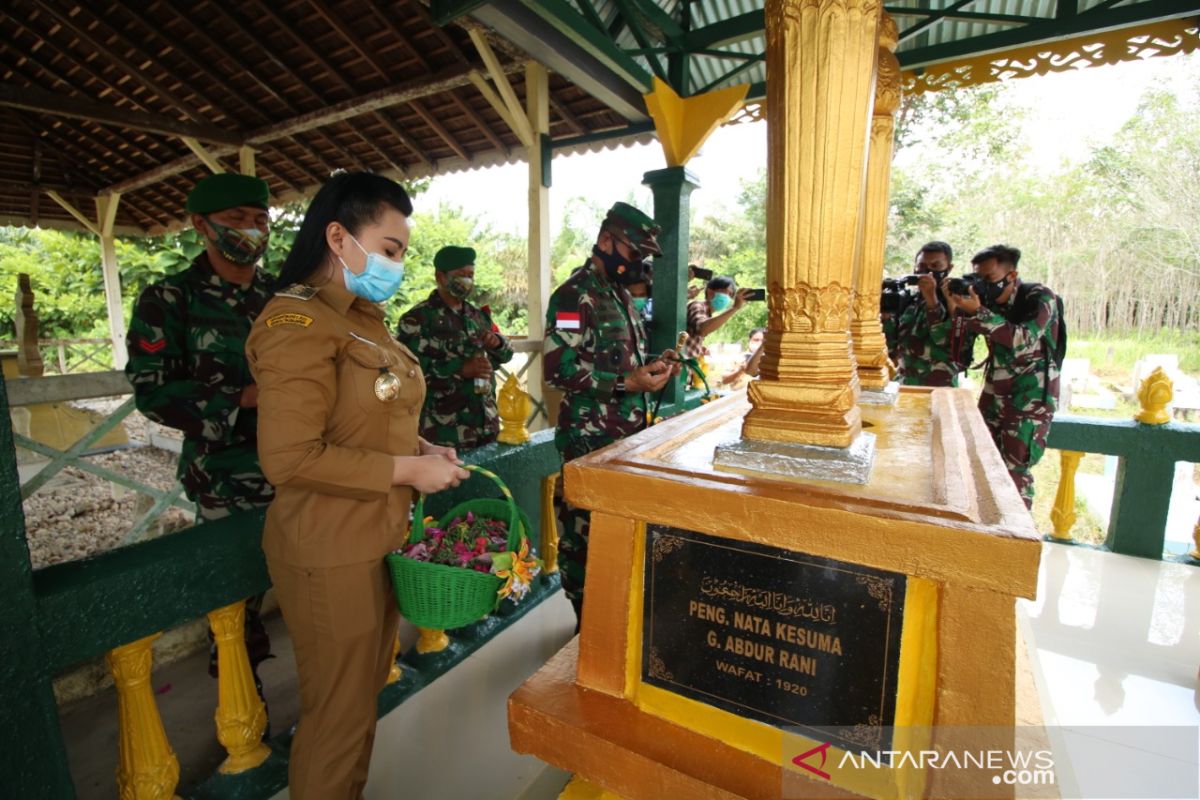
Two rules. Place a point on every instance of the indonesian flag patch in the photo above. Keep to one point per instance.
(567, 320)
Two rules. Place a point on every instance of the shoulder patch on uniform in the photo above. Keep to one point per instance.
(289, 318)
(566, 320)
(299, 291)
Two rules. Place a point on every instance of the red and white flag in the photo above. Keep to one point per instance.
(567, 320)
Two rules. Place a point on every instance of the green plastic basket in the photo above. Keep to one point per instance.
(440, 596)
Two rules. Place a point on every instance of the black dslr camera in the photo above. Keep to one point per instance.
(897, 295)
(962, 286)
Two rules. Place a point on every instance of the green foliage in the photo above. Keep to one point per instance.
(501, 274)
(1116, 233)
(66, 276)
(735, 244)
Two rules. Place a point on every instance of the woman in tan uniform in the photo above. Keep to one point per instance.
(339, 404)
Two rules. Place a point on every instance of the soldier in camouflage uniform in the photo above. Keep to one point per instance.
(187, 360)
(926, 357)
(595, 352)
(459, 348)
(1022, 325)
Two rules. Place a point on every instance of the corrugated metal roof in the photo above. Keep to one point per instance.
(921, 29)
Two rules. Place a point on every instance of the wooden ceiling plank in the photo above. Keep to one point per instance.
(422, 157)
(565, 114)
(437, 128)
(354, 41)
(165, 94)
(479, 123)
(288, 69)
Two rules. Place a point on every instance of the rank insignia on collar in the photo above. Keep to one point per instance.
(299, 291)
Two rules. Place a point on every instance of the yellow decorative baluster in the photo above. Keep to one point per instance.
(241, 715)
(549, 544)
(432, 641)
(396, 672)
(1063, 513)
(1155, 395)
(147, 767)
(514, 410)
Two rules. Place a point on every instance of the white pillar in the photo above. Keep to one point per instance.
(537, 99)
(106, 214)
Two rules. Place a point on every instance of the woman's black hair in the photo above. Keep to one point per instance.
(721, 283)
(354, 199)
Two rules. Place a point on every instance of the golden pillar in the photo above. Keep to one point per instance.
(870, 347)
(432, 640)
(820, 68)
(241, 715)
(147, 768)
(396, 672)
(1063, 516)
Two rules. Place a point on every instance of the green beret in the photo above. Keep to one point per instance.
(452, 258)
(638, 228)
(227, 190)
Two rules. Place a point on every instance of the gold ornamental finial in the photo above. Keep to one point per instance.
(1155, 395)
(514, 410)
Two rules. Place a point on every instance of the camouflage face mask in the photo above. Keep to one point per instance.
(242, 246)
(460, 287)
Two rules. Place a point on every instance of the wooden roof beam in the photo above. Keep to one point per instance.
(522, 128)
(31, 98)
(395, 95)
(73, 211)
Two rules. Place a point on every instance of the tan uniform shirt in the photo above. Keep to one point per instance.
(325, 438)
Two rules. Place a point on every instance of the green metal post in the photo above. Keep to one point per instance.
(33, 760)
(1138, 524)
(672, 188)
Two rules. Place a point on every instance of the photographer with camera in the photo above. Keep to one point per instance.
(722, 299)
(1026, 337)
(927, 355)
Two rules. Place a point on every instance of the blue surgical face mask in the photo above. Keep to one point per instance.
(380, 278)
(721, 302)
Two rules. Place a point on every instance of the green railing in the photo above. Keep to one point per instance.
(1145, 473)
(69, 613)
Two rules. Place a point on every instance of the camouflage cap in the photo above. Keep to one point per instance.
(227, 190)
(451, 258)
(639, 229)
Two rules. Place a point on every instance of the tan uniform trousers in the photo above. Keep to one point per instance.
(343, 622)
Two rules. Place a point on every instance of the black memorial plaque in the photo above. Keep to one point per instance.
(780, 637)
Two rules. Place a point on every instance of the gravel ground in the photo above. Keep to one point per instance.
(79, 515)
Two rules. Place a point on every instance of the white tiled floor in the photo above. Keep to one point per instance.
(1115, 643)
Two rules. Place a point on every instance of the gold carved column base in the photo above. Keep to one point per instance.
(806, 392)
(870, 353)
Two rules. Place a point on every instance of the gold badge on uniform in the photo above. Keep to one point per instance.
(387, 386)
(303, 320)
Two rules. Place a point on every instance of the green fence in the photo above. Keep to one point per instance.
(1145, 473)
(69, 613)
